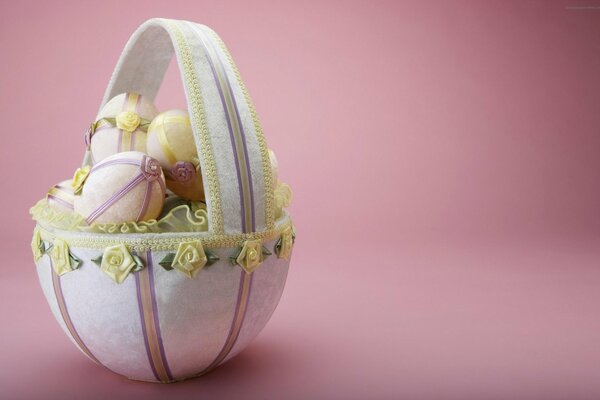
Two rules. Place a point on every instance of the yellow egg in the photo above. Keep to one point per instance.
(170, 140)
(124, 187)
(121, 126)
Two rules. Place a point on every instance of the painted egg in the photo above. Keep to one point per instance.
(121, 126)
(60, 196)
(171, 141)
(124, 187)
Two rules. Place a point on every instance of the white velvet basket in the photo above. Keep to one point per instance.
(160, 325)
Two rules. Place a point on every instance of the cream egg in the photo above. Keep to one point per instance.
(170, 140)
(121, 126)
(61, 196)
(124, 187)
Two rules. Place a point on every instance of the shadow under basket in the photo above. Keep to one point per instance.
(179, 303)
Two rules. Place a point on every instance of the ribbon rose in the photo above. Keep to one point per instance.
(128, 121)
(251, 255)
(59, 254)
(117, 262)
(182, 171)
(79, 178)
(190, 258)
(284, 245)
(37, 245)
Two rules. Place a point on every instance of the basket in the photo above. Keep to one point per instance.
(159, 324)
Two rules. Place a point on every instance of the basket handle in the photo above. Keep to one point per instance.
(232, 150)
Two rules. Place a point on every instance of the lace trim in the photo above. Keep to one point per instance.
(161, 242)
(182, 218)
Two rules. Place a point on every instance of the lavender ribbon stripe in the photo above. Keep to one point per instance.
(61, 201)
(146, 201)
(149, 172)
(115, 197)
(127, 161)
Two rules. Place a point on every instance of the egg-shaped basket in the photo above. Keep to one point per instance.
(163, 323)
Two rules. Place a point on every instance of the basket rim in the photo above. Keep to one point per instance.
(161, 241)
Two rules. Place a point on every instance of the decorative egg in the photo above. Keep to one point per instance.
(61, 196)
(124, 187)
(274, 166)
(121, 126)
(171, 141)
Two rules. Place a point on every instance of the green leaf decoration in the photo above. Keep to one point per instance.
(144, 124)
(281, 246)
(42, 247)
(139, 263)
(75, 261)
(233, 258)
(211, 258)
(167, 261)
(265, 252)
(97, 260)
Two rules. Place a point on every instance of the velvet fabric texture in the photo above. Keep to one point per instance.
(193, 315)
(159, 324)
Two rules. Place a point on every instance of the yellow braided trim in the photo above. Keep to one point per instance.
(262, 144)
(197, 108)
(158, 243)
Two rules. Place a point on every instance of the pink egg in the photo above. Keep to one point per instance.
(124, 187)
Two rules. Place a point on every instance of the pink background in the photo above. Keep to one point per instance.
(445, 162)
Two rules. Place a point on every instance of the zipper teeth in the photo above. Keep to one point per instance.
(157, 243)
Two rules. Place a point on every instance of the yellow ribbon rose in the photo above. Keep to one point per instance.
(61, 259)
(251, 255)
(285, 243)
(128, 121)
(190, 258)
(283, 195)
(37, 245)
(79, 178)
(117, 262)
(283, 198)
